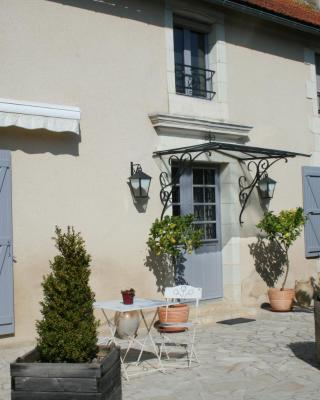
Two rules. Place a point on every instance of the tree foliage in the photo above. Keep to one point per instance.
(283, 229)
(68, 329)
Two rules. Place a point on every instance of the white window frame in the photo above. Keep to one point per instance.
(217, 107)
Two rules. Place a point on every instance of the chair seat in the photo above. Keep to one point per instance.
(175, 325)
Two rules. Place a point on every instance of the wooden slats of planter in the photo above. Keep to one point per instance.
(32, 380)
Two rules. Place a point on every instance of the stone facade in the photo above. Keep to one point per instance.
(115, 61)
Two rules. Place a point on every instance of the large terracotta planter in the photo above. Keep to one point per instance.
(175, 313)
(281, 300)
(317, 326)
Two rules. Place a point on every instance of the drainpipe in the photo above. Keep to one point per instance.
(269, 16)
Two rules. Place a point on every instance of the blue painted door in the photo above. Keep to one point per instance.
(197, 192)
(6, 272)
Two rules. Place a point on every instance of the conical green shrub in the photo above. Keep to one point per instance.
(68, 329)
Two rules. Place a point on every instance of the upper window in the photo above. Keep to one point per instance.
(193, 78)
(318, 79)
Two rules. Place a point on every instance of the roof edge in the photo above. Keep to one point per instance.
(267, 15)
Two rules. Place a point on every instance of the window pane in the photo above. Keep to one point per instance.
(197, 49)
(198, 176)
(209, 176)
(318, 64)
(179, 59)
(210, 195)
(211, 231)
(178, 45)
(210, 213)
(175, 175)
(199, 213)
(202, 228)
(198, 195)
(175, 211)
(176, 194)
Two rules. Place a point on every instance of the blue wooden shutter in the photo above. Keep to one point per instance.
(6, 273)
(311, 203)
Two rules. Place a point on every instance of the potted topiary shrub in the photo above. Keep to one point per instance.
(173, 236)
(282, 229)
(67, 363)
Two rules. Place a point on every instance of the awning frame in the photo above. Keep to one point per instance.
(30, 115)
(259, 160)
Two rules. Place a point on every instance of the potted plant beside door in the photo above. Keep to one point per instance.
(172, 237)
(67, 363)
(283, 229)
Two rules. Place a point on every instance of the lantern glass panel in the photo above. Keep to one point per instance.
(145, 183)
(271, 187)
(135, 185)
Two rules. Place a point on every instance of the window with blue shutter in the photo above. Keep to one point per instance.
(311, 204)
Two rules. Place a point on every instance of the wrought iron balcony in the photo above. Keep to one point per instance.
(194, 81)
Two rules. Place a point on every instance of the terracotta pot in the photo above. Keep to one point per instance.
(281, 300)
(304, 293)
(317, 326)
(175, 313)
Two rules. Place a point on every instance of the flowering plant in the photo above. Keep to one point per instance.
(174, 235)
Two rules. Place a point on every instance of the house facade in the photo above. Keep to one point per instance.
(87, 87)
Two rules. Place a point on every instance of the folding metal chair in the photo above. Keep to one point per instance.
(178, 293)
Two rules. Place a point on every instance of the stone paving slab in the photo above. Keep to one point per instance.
(269, 359)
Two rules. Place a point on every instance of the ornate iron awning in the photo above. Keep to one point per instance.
(259, 158)
(240, 151)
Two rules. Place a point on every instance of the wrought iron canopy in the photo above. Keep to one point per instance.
(259, 160)
(239, 151)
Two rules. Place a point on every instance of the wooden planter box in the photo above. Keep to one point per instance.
(317, 326)
(32, 380)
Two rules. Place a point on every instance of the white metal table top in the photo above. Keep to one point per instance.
(138, 304)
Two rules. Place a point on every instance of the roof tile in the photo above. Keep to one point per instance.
(293, 9)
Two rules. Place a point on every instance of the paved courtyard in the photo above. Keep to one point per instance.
(271, 358)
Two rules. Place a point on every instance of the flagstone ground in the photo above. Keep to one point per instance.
(271, 358)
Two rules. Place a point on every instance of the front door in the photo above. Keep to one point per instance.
(197, 193)
(6, 274)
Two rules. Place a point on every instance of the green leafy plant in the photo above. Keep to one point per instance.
(68, 329)
(283, 229)
(131, 292)
(174, 236)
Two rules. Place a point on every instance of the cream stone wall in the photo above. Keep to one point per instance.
(111, 60)
(271, 76)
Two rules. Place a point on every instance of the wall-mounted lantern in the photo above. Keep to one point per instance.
(139, 182)
(266, 187)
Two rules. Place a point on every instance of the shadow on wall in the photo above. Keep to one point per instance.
(39, 141)
(269, 260)
(163, 270)
(143, 11)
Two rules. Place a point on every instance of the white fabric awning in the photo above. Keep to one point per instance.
(30, 115)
